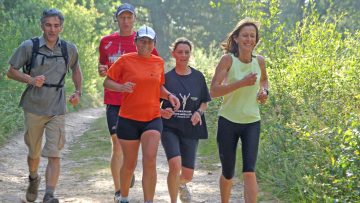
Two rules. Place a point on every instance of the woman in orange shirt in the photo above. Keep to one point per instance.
(140, 76)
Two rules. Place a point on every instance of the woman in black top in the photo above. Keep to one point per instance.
(183, 128)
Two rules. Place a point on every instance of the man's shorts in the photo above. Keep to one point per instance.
(112, 112)
(54, 128)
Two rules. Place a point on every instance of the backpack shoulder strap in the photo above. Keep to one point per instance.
(64, 52)
(65, 55)
(36, 43)
(34, 53)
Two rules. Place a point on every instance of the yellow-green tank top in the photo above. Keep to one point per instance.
(240, 106)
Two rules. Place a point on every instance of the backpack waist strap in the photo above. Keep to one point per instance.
(53, 85)
(58, 86)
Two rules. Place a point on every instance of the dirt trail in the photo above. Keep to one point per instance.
(97, 188)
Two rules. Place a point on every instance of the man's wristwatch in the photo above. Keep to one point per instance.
(267, 92)
(78, 92)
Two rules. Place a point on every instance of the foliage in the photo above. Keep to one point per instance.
(195, 20)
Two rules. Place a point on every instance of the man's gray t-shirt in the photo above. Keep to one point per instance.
(45, 100)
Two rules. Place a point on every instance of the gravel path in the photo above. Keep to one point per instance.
(97, 188)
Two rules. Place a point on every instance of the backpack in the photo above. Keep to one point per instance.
(35, 52)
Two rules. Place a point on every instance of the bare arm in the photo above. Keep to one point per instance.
(17, 75)
(114, 86)
(264, 82)
(196, 117)
(102, 69)
(165, 94)
(218, 88)
(77, 78)
(166, 113)
(203, 106)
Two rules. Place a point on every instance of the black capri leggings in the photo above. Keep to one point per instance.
(228, 135)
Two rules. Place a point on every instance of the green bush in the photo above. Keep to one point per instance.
(310, 141)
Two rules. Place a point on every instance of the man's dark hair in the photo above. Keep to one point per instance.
(51, 13)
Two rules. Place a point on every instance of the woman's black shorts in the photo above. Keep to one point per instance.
(128, 129)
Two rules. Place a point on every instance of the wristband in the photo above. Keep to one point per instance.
(200, 112)
(168, 96)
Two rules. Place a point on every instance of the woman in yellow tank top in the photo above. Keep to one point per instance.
(241, 78)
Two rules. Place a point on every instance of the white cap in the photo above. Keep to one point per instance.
(146, 31)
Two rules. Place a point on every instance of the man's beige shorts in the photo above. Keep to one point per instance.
(54, 127)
